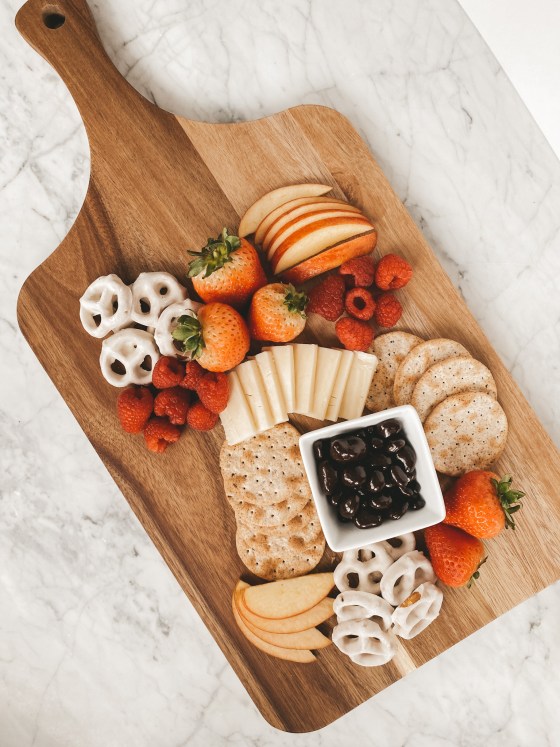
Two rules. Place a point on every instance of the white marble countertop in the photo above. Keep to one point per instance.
(98, 645)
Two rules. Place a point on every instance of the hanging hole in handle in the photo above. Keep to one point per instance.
(53, 20)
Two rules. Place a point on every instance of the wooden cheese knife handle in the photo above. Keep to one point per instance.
(64, 33)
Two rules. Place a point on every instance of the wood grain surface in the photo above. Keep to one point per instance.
(161, 184)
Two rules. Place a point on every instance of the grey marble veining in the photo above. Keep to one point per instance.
(98, 645)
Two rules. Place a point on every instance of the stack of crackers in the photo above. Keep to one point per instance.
(278, 531)
(454, 394)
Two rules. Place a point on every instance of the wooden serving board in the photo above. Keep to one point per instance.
(161, 184)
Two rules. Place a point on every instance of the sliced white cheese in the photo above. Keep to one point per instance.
(328, 361)
(255, 393)
(237, 418)
(284, 359)
(357, 386)
(305, 361)
(346, 360)
(267, 367)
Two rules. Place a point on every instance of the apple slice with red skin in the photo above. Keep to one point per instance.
(271, 200)
(332, 257)
(287, 654)
(305, 220)
(269, 219)
(314, 238)
(300, 212)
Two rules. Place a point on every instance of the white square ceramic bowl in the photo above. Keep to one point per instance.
(347, 536)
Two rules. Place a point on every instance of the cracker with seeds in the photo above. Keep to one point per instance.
(272, 557)
(418, 361)
(448, 377)
(390, 349)
(466, 431)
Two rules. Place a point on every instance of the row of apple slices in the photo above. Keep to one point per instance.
(279, 618)
(304, 233)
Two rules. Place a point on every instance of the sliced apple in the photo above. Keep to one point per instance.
(288, 597)
(288, 654)
(315, 616)
(296, 224)
(315, 238)
(269, 219)
(332, 257)
(271, 200)
(307, 639)
(287, 217)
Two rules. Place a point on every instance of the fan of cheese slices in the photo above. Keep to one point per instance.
(310, 380)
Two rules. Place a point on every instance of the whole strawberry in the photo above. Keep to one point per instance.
(227, 269)
(482, 504)
(134, 407)
(455, 555)
(277, 313)
(217, 337)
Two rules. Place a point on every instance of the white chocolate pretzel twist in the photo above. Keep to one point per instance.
(106, 306)
(417, 611)
(152, 292)
(128, 357)
(403, 544)
(365, 642)
(367, 563)
(360, 605)
(405, 575)
(167, 323)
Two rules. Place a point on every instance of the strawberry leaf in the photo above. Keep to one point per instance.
(214, 255)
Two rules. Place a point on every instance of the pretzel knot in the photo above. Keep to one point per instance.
(404, 576)
(417, 611)
(360, 605)
(152, 292)
(167, 323)
(128, 357)
(365, 642)
(405, 543)
(367, 563)
(106, 306)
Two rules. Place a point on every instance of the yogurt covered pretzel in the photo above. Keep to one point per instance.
(167, 323)
(152, 292)
(406, 543)
(361, 605)
(129, 349)
(404, 576)
(365, 642)
(367, 563)
(417, 611)
(106, 306)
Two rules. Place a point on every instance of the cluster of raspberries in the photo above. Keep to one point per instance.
(360, 290)
(181, 394)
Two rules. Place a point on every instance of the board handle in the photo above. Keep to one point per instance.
(65, 34)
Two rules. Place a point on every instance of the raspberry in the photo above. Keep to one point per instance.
(194, 372)
(134, 407)
(327, 298)
(388, 310)
(392, 272)
(354, 334)
(359, 303)
(213, 391)
(200, 418)
(174, 404)
(168, 372)
(359, 272)
(159, 433)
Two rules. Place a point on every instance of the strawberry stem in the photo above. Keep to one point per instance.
(189, 332)
(295, 301)
(476, 574)
(214, 255)
(510, 500)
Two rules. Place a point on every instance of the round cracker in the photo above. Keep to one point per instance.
(390, 349)
(465, 432)
(448, 377)
(418, 361)
(274, 557)
(305, 521)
